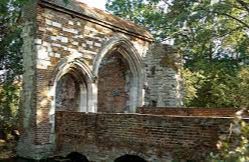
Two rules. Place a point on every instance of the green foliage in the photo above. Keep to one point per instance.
(192, 82)
(10, 62)
(212, 37)
(235, 146)
(214, 88)
(9, 100)
(240, 93)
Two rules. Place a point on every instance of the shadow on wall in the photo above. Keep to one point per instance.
(129, 158)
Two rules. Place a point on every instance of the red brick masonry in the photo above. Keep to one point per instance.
(161, 137)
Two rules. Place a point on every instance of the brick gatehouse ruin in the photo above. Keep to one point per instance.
(98, 85)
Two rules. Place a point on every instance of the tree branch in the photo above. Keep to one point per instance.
(167, 3)
(244, 4)
(227, 15)
(234, 18)
(237, 6)
(230, 32)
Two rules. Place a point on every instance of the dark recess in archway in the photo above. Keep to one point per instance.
(77, 157)
(129, 158)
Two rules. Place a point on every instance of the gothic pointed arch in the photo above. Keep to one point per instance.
(122, 47)
(71, 88)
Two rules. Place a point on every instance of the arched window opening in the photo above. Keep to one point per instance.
(119, 73)
(130, 158)
(71, 89)
(114, 84)
(71, 92)
(68, 93)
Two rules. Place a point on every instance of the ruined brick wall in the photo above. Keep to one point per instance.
(59, 41)
(60, 35)
(105, 137)
(163, 79)
(66, 49)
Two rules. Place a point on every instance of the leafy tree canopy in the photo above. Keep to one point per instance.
(212, 35)
(10, 62)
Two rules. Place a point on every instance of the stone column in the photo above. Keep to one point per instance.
(27, 145)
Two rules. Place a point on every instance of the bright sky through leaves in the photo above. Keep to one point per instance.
(95, 3)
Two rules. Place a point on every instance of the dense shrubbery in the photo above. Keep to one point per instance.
(211, 90)
(234, 147)
(10, 63)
